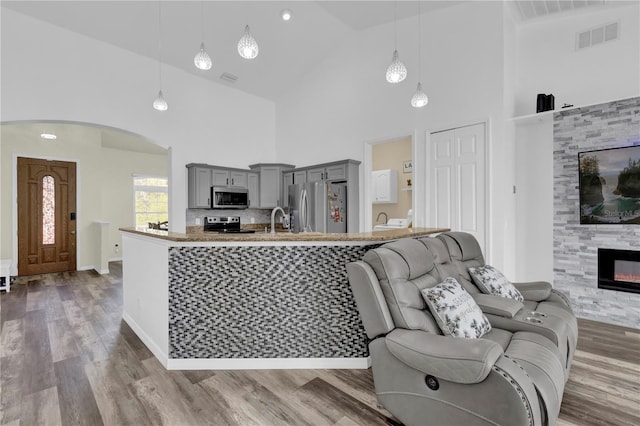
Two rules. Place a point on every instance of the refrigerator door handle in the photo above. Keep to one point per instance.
(303, 210)
(307, 224)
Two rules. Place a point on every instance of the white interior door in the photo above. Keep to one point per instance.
(457, 180)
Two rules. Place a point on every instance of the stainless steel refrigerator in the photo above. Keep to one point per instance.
(318, 207)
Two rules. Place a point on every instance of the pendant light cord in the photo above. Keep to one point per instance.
(202, 19)
(160, 42)
(395, 25)
(419, 36)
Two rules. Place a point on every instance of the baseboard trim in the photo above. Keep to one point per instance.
(269, 364)
(150, 344)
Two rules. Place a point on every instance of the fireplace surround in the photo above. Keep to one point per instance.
(619, 270)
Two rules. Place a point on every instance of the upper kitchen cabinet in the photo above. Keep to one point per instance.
(199, 180)
(253, 184)
(220, 177)
(271, 183)
(299, 177)
(333, 171)
(385, 186)
(238, 179)
(226, 177)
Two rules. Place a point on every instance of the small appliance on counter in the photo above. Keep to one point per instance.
(225, 225)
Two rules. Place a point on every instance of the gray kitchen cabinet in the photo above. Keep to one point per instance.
(238, 179)
(253, 184)
(315, 175)
(220, 177)
(329, 172)
(271, 183)
(299, 177)
(199, 181)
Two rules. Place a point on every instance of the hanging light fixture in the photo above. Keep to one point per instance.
(247, 46)
(159, 103)
(396, 72)
(419, 98)
(202, 59)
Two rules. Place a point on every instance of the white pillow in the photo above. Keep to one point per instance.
(454, 309)
(491, 281)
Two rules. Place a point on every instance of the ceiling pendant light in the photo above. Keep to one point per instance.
(247, 46)
(396, 72)
(419, 99)
(160, 103)
(202, 59)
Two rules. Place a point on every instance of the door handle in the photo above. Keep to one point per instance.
(73, 232)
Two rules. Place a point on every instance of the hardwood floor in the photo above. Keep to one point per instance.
(66, 357)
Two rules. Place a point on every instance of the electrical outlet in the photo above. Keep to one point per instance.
(198, 221)
(117, 248)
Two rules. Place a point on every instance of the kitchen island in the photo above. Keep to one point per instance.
(248, 301)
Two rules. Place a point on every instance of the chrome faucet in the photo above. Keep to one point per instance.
(274, 212)
(386, 218)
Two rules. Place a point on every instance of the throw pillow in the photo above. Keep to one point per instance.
(454, 309)
(491, 281)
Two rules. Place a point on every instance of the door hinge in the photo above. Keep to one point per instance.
(514, 189)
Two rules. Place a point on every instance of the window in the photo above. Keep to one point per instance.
(151, 198)
(48, 210)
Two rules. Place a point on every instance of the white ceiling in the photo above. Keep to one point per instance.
(287, 49)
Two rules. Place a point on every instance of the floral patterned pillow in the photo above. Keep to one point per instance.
(491, 281)
(454, 309)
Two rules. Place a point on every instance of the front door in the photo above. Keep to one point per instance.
(46, 216)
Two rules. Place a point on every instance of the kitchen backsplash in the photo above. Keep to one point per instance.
(258, 215)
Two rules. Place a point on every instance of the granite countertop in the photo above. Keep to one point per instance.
(391, 234)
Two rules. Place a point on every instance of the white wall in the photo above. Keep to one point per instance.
(549, 63)
(346, 99)
(49, 73)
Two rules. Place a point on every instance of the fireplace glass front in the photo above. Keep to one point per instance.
(619, 270)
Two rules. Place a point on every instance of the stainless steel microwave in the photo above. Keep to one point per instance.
(226, 197)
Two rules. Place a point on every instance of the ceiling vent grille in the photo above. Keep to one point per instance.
(598, 35)
(229, 78)
(530, 9)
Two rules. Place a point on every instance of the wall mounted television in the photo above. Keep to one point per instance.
(610, 186)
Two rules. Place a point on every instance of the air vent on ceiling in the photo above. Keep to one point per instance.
(229, 78)
(598, 35)
(530, 9)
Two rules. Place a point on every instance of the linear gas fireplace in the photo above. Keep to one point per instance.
(619, 270)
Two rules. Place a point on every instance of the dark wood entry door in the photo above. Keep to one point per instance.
(46, 216)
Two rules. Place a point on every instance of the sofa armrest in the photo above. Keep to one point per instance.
(449, 358)
(496, 305)
(536, 291)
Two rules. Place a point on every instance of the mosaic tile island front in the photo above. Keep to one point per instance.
(249, 301)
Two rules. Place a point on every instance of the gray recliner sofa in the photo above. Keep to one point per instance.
(505, 313)
(426, 378)
(539, 296)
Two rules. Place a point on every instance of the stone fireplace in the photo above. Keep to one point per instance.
(575, 246)
(619, 270)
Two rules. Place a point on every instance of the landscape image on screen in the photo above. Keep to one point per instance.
(610, 186)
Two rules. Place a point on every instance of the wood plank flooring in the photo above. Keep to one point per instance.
(66, 357)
